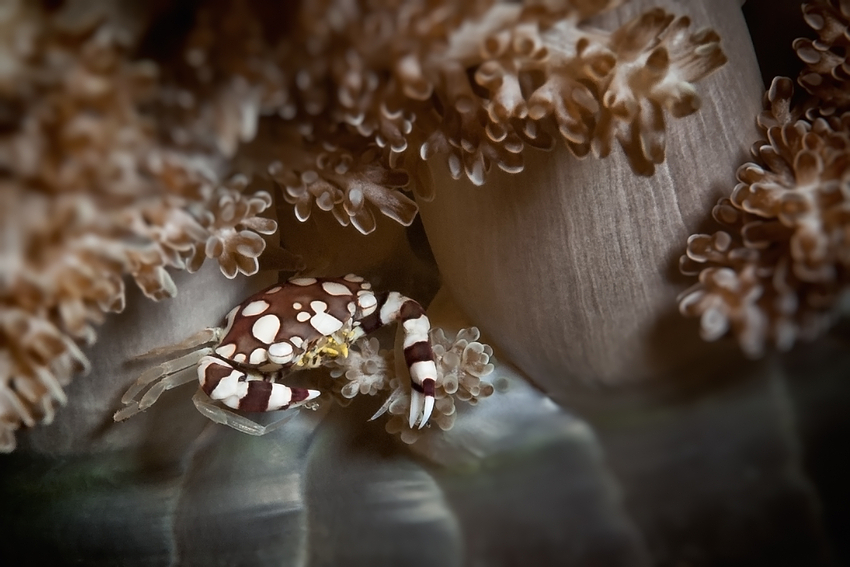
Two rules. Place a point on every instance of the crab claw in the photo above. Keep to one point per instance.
(426, 412)
(308, 395)
(421, 403)
(417, 404)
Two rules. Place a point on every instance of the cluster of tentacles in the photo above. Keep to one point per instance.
(779, 271)
(140, 138)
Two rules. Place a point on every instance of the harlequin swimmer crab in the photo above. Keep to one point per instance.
(303, 323)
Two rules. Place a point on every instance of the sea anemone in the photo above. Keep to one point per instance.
(779, 271)
(142, 139)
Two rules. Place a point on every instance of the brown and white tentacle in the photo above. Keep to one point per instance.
(418, 355)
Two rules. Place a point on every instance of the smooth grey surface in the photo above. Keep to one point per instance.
(243, 498)
(717, 479)
(371, 504)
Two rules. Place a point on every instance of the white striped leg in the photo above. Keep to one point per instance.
(247, 392)
(418, 354)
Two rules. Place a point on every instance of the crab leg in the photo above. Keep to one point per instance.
(233, 419)
(418, 355)
(152, 395)
(161, 371)
(247, 392)
(202, 338)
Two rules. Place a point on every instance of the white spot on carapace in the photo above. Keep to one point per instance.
(326, 324)
(366, 285)
(265, 328)
(302, 317)
(296, 340)
(297, 305)
(255, 308)
(240, 357)
(275, 289)
(259, 356)
(227, 350)
(353, 278)
(303, 281)
(367, 300)
(323, 322)
(335, 288)
(351, 307)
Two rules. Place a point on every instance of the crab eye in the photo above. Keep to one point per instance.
(280, 353)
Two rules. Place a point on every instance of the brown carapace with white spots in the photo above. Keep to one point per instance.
(303, 323)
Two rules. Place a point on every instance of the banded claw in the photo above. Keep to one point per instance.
(421, 403)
